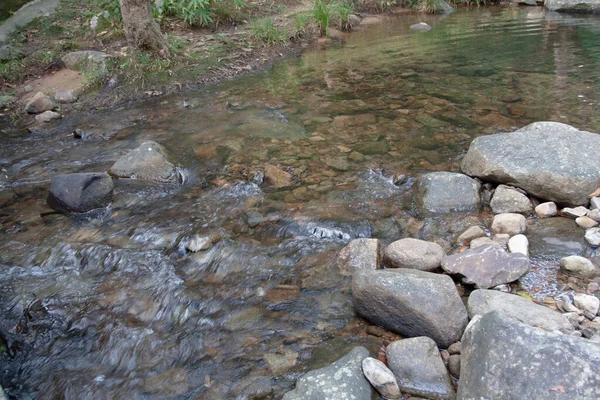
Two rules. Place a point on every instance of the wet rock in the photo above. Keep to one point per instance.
(343, 379)
(280, 363)
(586, 222)
(39, 103)
(81, 192)
(487, 266)
(471, 233)
(519, 244)
(421, 27)
(360, 254)
(510, 223)
(147, 162)
(592, 236)
(573, 6)
(484, 241)
(65, 96)
(47, 116)
(494, 119)
(382, 379)
(507, 199)
(562, 169)
(555, 237)
(278, 177)
(356, 157)
(454, 365)
(253, 387)
(448, 192)
(87, 61)
(255, 218)
(577, 265)
(420, 371)
(574, 212)
(372, 148)
(546, 210)
(337, 163)
(199, 243)
(9, 52)
(565, 367)
(171, 383)
(413, 254)
(588, 303)
(514, 306)
(411, 302)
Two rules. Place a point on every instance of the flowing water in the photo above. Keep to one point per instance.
(111, 305)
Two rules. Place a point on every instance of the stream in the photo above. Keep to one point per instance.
(110, 305)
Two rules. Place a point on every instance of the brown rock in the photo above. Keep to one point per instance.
(278, 177)
(39, 103)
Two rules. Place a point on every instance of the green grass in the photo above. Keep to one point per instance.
(264, 31)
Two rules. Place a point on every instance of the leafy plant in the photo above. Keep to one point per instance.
(265, 31)
(322, 13)
(342, 11)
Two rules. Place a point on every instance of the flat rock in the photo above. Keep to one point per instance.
(39, 103)
(562, 167)
(546, 210)
(344, 380)
(420, 371)
(411, 303)
(586, 222)
(575, 212)
(421, 27)
(555, 238)
(414, 254)
(510, 223)
(65, 96)
(573, 6)
(487, 266)
(47, 116)
(382, 379)
(360, 254)
(445, 192)
(147, 162)
(514, 306)
(278, 177)
(507, 199)
(483, 241)
(502, 358)
(80, 192)
(87, 61)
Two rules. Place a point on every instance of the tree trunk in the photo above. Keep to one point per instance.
(140, 28)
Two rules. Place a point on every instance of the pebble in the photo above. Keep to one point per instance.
(588, 303)
(510, 223)
(454, 348)
(594, 214)
(592, 236)
(519, 244)
(454, 365)
(199, 243)
(578, 265)
(586, 222)
(546, 210)
(574, 212)
(381, 377)
(595, 203)
(471, 233)
(502, 239)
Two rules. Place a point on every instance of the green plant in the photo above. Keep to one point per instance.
(302, 21)
(264, 30)
(113, 7)
(342, 11)
(322, 13)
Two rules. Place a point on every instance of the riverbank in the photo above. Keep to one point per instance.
(199, 56)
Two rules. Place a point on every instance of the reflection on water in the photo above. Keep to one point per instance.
(113, 305)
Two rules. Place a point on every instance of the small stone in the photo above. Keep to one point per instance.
(47, 116)
(574, 212)
(149, 162)
(482, 241)
(382, 379)
(578, 266)
(593, 287)
(507, 199)
(595, 203)
(519, 244)
(592, 236)
(546, 210)
(454, 348)
(421, 26)
(586, 222)
(588, 303)
(502, 239)
(337, 163)
(445, 355)
(414, 254)
(454, 365)
(39, 103)
(278, 177)
(199, 243)
(594, 214)
(510, 223)
(471, 233)
(279, 364)
(356, 157)
(64, 96)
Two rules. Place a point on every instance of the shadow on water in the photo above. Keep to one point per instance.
(113, 305)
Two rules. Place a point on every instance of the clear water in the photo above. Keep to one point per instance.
(111, 306)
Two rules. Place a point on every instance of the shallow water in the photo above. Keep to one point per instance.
(110, 305)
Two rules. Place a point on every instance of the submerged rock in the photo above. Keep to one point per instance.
(411, 302)
(344, 379)
(421, 26)
(278, 177)
(81, 192)
(487, 266)
(562, 168)
(420, 371)
(514, 306)
(382, 379)
(502, 358)
(413, 254)
(147, 162)
(448, 192)
(360, 254)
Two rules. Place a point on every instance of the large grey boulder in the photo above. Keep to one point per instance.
(81, 192)
(483, 301)
(502, 358)
(343, 379)
(550, 160)
(419, 369)
(507, 199)
(487, 266)
(414, 254)
(147, 162)
(411, 302)
(574, 6)
(87, 61)
(448, 192)
(360, 254)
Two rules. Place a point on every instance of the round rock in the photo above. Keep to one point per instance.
(578, 266)
(510, 200)
(510, 223)
(413, 254)
(546, 210)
